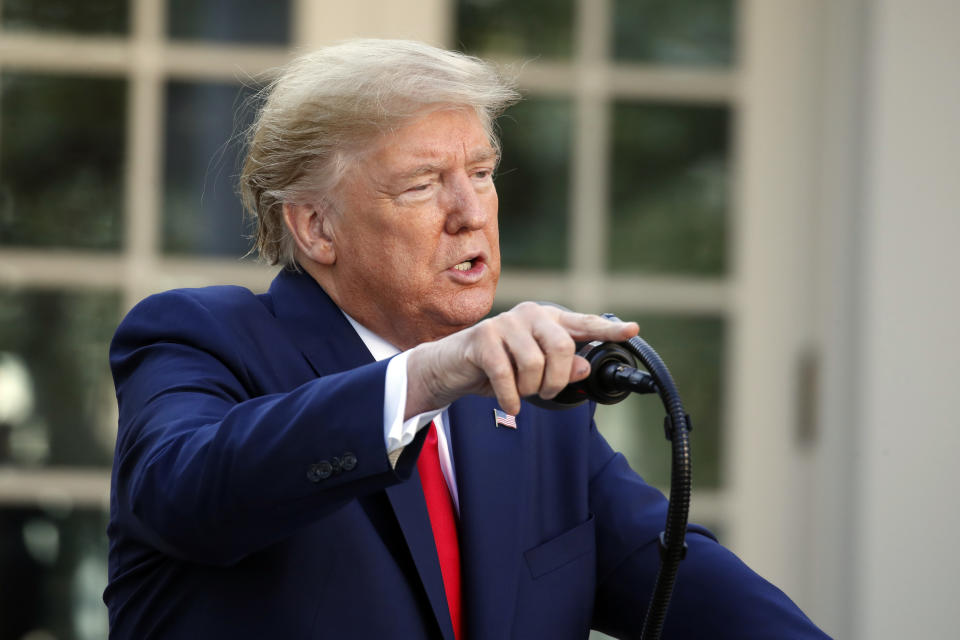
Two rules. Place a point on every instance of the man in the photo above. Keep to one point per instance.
(281, 473)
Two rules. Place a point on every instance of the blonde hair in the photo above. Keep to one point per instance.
(327, 105)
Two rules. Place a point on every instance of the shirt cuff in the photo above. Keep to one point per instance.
(397, 432)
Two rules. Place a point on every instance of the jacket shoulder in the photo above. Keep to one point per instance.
(222, 320)
(183, 310)
(216, 299)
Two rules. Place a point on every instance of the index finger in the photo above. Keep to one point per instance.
(584, 326)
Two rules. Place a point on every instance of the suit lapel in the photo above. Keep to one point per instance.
(489, 465)
(410, 508)
(329, 343)
(316, 325)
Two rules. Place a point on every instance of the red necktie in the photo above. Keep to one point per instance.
(443, 521)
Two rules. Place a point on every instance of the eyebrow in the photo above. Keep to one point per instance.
(482, 155)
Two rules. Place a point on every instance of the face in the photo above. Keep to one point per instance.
(415, 230)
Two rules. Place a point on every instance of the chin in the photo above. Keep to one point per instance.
(467, 309)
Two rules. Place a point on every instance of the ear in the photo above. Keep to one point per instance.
(312, 230)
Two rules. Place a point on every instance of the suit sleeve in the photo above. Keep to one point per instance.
(715, 595)
(207, 469)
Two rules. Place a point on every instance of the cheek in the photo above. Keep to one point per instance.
(493, 228)
(409, 254)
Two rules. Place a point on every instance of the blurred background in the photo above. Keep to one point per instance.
(769, 187)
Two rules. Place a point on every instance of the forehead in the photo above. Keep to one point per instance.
(445, 134)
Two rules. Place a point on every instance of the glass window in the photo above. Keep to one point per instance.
(233, 21)
(516, 29)
(87, 17)
(533, 183)
(61, 161)
(203, 155)
(669, 188)
(57, 405)
(693, 348)
(681, 32)
(54, 567)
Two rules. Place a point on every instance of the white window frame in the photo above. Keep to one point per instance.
(768, 298)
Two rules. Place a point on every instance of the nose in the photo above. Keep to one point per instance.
(466, 207)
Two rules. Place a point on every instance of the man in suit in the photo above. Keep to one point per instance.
(325, 459)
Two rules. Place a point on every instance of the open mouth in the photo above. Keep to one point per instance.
(466, 265)
(471, 267)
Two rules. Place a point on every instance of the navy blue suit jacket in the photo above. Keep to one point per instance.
(226, 523)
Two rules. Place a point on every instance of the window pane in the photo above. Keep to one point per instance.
(57, 405)
(202, 212)
(87, 17)
(54, 568)
(683, 32)
(669, 188)
(693, 349)
(533, 183)
(516, 29)
(236, 21)
(61, 161)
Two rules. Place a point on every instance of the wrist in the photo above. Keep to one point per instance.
(421, 386)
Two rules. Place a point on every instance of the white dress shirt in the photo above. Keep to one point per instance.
(397, 432)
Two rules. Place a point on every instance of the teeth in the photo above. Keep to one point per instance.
(463, 266)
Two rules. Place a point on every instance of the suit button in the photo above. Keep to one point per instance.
(348, 461)
(335, 463)
(319, 471)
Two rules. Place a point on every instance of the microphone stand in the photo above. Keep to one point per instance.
(612, 378)
(676, 424)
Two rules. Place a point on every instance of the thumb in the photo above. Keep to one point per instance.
(579, 369)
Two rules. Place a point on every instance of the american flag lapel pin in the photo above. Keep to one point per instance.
(502, 418)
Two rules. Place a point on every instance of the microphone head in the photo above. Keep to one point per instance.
(600, 355)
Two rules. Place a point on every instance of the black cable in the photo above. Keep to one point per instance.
(612, 379)
(672, 545)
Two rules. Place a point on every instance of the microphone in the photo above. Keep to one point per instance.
(613, 376)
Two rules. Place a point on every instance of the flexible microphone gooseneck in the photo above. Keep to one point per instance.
(613, 376)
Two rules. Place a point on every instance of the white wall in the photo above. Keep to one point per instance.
(906, 569)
